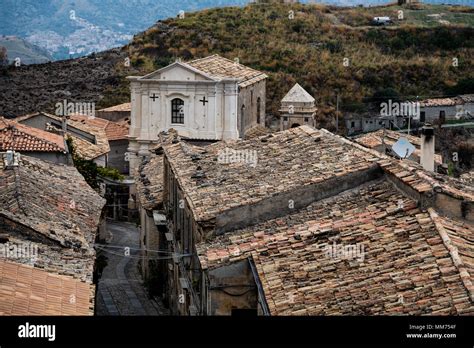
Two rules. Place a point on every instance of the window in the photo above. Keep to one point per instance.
(422, 116)
(259, 111)
(352, 124)
(177, 111)
(306, 119)
(285, 119)
(442, 116)
(242, 121)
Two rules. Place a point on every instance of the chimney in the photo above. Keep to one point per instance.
(427, 147)
(11, 159)
(64, 124)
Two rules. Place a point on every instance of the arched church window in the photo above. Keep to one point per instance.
(177, 111)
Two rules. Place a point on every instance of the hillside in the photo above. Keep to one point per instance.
(78, 27)
(413, 57)
(28, 53)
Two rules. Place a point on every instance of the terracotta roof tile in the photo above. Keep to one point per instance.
(222, 68)
(441, 102)
(120, 107)
(149, 182)
(32, 291)
(256, 131)
(467, 98)
(283, 161)
(22, 138)
(373, 140)
(468, 178)
(395, 261)
(51, 199)
(113, 130)
(84, 148)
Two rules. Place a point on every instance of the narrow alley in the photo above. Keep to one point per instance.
(120, 289)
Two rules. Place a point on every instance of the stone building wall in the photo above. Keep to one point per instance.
(231, 287)
(116, 156)
(252, 106)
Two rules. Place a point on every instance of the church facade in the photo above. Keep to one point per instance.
(212, 98)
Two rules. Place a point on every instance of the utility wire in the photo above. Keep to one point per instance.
(122, 247)
(144, 256)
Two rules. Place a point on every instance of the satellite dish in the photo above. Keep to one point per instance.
(403, 148)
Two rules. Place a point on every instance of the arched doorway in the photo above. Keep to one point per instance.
(294, 125)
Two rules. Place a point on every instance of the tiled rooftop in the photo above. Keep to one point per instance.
(441, 102)
(221, 68)
(29, 291)
(468, 178)
(458, 100)
(467, 98)
(403, 268)
(53, 200)
(285, 160)
(256, 131)
(373, 140)
(113, 130)
(49, 208)
(413, 175)
(120, 107)
(458, 239)
(149, 175)
(149, 182)
(84, 148)
(22, 138)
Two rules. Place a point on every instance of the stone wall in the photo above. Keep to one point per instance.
(432, 113)
(249, 97)
(54, 157)
(454, 207)
(116, 156)
(114, 116)
(288, 121)
(231, 287)
(149, 239)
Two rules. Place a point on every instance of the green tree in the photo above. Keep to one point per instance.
(89, 170)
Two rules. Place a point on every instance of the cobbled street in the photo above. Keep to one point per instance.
(120, 288)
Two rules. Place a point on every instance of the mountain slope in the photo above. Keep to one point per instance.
(28, 53)
(312, 49)
(78, 27)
